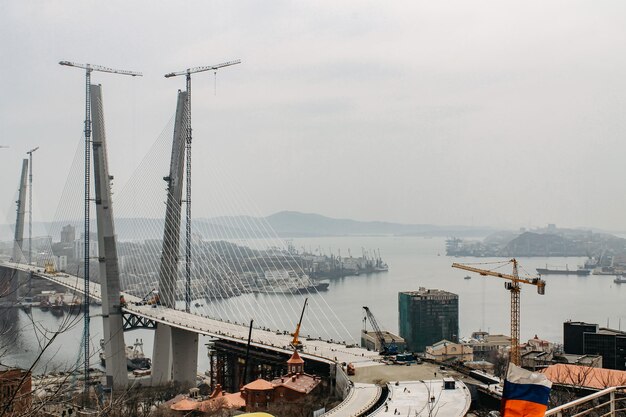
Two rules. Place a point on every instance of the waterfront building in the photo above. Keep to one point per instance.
(427, 316)
(445, 350)
(371, 341)
(608, 343)
(573, 332)
(483, 344)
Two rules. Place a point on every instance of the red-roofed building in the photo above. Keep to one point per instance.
(291, 387)
(584, 376)
(296, 384)
(258, 394)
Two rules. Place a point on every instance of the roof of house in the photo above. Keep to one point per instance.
(185, 405)
(584, 376)
(302, 383)
(231, 401)
(259, 385)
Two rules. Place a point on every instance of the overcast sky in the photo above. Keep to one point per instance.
(458, 112)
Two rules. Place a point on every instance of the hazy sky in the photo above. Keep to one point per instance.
(458, 112)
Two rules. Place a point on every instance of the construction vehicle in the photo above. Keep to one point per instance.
(514, 287)
(296, 343)
(152, 298)
(49, 268)
(384, 347)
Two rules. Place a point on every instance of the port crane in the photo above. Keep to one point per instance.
(385, 349)
(296, 343)
(514, 287)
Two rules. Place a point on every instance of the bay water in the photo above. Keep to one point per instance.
(414, 262)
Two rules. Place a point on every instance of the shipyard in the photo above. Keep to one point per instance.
(325, 209)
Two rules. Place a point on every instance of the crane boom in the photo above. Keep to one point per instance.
(385, 348)
(100, 68)
(202, 69)
(297, 344)
(514, 288)
(484, 272)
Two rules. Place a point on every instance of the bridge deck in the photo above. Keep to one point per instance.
(318, 350)
(361, 398)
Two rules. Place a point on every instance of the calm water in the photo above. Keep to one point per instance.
(414, 262)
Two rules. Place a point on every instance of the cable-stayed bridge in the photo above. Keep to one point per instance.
(223, 285)
(324, 351)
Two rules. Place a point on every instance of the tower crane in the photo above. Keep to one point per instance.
(514, 287)
(89, 68)
(187, 73)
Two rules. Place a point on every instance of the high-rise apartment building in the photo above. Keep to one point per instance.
(427, 316)
(68, 234)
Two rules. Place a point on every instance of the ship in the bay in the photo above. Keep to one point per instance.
(289, 282)
(563, 271)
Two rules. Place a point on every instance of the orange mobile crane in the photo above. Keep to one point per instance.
(514, 288)
(296, 343)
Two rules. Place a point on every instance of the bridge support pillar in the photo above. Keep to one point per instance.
(185, 357)
(162, 355)
(115, 352)
(175, 356)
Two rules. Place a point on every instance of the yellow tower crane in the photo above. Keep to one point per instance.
(514, 288)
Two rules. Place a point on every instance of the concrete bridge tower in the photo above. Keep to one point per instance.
(18, 241)
(175, 354)
(114, 346)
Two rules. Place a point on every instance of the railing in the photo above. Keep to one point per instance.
(600, 404)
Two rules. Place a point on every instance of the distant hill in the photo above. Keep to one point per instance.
(283, 224)
(297, 224)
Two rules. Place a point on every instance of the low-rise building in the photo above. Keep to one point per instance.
(484, 344)
(371, 341)
(445, 350)
(594, 361)
(289, 388)
(584, 376)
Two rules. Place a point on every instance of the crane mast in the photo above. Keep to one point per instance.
(187, 73)
(89, 68)
(514, 287)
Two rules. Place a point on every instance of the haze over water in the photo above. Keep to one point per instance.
(413, 262)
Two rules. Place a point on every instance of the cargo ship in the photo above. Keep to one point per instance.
(563, 271)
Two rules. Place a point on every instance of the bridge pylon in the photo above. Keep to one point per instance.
(175, 356)
(114, 346)
(18, 241)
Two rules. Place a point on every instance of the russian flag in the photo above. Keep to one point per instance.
(525, 393)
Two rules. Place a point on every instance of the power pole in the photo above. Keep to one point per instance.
(89, 68)
(30, 218)
(187, 74)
